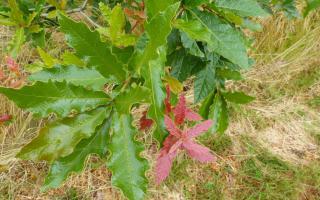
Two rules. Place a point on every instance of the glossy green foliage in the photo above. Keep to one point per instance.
(88, 78)
(128, 169)
(60, 98)
(59, 138)
(74, 162)
(89, 46)
(88, 94)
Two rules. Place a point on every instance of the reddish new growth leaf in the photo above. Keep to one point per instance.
(5, 118)
(182, 113)
(144, 122)
(12, 65)
(182, 140)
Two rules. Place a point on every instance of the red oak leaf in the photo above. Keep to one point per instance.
(181, 139)
(12, 65)
(182, 113)
(145, 123)
(5, 118)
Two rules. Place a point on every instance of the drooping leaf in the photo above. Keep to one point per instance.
(128, 168)
(244, 8)
(58, 139)
(55, 97)
(220, 37)
(205, 82)
(205, 105)
(219, 114)
(86, 77)
(238, 97)
(125, 100)
(74, 163)
(89, 47)
(228, 74)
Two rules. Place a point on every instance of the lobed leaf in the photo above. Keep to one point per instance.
(63, 167)
(60, 98)
(124, 101)
(128, 168)
(86, 77)
(58, 139)
(89, 47)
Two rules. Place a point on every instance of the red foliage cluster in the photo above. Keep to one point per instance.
(182, 139)
(12, 77)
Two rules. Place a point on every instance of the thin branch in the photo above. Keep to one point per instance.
(80, 9)
(90, 20)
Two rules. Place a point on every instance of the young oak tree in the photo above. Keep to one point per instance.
(127, 48)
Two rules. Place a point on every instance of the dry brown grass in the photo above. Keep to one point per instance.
(278, 119)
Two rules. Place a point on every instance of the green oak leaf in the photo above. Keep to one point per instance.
(125, 100)
(128, 168)
(238, 97)
(182, 64)
(74, 163)
(60, 98)
(219, 114)
(191, 45)
(151, 61)
(244, 8)
(86, 77)
(205, 105)
(154, 7)
(47, 59)
(228, 74)
(69, 58)
(206, 80)
(90, 48)
(220, 37)
(59, 138)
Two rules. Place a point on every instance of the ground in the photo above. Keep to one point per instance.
(270, 151)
